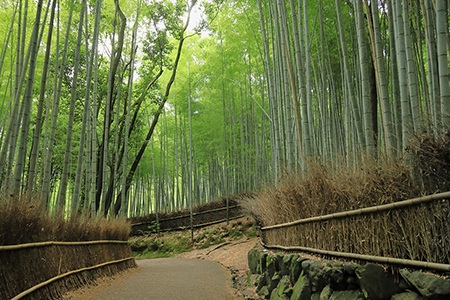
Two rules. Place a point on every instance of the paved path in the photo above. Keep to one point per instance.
(167, 279)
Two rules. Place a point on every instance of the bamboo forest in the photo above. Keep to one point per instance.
(129, 107)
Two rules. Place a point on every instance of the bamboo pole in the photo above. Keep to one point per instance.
(52, 243)
(364, 211)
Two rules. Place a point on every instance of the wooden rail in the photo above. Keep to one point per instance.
(51, 243)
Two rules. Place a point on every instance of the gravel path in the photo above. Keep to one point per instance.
(166, 279)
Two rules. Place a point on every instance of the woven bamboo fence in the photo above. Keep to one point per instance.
(46, 270)
(181, 220)
(416, 230)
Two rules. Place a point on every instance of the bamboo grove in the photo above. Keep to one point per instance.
(118, 107)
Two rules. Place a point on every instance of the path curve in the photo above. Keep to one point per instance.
(167, 279)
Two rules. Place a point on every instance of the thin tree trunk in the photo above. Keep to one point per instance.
(61, 199)
(38, 127)
(87, 108)
(401, 55)
(348, 78)
(442, 40)
(48, 152)
(27, 99)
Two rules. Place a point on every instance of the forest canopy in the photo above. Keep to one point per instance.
(122, 107)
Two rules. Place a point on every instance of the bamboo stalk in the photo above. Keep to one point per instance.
(363, 211)
(378, 259)
(52, 243)
(42, 284)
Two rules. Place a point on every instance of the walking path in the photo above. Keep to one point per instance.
(167, 279)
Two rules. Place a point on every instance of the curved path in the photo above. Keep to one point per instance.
(167, 279)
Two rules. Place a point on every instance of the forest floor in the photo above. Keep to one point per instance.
(232, 255)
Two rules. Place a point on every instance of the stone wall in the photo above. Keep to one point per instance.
(279, 276)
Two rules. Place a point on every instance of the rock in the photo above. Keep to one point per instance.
(273, 283)
(253, 279)
(296, 269)
(272, 265)
(409, 295)
(302, 289)
(352, 283)
(263, 262)
(347, 295)
(284, 264)
(350, 268)
(376, 283)
(335, 276)
(325, 294)
(282, 291)
(288, 292)
(283, 285)
(263, 281)
(256, 261)
(315, 272)
(275, 296)
(253, 257)
(264, 292)
(431, 287)
(279, 258)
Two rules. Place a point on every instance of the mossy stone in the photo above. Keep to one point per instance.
(376, 283)
(302, 288)
(347, 295)
(429, 286)
(296, 269)
(409, 295)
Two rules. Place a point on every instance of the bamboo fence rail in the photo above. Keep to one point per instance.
(51, 243)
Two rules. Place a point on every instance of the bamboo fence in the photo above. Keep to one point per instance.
(182, 222)
(413, 233)
(45, 270)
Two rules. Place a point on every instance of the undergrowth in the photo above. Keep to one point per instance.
(25, 220)
(171, 244)
(326, 189)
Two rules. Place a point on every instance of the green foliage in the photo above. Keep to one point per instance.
(209, 238)
(152, 228)
(167, 246)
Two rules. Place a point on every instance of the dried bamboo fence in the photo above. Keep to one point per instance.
(45, 270)
(413, 232)
(181, 222)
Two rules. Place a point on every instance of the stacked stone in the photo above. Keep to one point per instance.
(281, 277)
